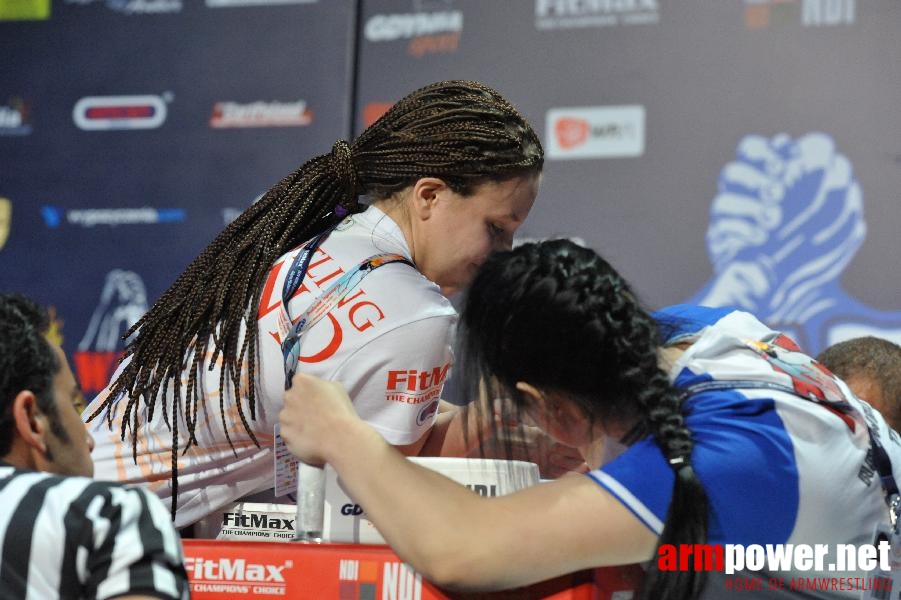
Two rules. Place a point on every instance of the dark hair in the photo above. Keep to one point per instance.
(27, 362)
(461, 131)
(558, 316)
(871, 357)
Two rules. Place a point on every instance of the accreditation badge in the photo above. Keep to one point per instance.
(885, 583)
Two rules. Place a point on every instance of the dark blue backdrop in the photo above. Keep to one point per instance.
(742, 152)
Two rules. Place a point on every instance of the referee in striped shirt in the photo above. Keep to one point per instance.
(63, 534)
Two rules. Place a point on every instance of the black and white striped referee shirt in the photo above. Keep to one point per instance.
(73, 537)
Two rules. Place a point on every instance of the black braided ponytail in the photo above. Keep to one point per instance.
(461, 131)
(559, 316)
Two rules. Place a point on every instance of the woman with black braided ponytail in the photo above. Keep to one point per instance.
(448, 174)
(703, 429)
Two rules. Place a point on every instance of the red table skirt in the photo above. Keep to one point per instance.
(220, 570)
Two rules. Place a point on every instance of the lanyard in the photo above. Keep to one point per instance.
(326, 301)
(299, 267)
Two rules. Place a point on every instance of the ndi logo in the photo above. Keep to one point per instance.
(817, 13)
(401, 582)
(760, 14)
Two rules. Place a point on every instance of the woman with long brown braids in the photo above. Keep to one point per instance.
(450, 172)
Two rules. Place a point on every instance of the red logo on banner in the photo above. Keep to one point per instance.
(373, 111)
(571, 132)
(226, 570)
(95, 369)
(98, 113)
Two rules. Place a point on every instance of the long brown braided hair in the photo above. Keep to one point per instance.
(461, 131)
(561, 317)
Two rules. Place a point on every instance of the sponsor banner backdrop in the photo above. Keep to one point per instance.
(133, 131)
(742, 152)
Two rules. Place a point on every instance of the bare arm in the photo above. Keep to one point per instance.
(521, 441)
(445, 438)
(453, 537)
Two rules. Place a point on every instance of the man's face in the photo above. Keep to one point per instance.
(69, 445)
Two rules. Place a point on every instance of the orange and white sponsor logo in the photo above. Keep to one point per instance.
(373, 111)
(355, 311)
(596, 132)
(261, 114)
(237, 576)
(446, 43)
(412, 386)
(226, 570)
(428, 32)
(571, 132)
(355, 572)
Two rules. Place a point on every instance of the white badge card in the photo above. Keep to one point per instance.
(885, 584)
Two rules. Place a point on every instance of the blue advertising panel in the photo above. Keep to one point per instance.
(133, 131)
(742, 153)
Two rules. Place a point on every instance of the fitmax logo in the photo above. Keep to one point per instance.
(226, 569)
(256, 521)
(413, 380)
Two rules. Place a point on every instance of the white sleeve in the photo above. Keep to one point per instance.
(136, 548)
(395, 380)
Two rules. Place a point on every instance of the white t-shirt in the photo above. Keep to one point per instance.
(777, 468)
(388, 341)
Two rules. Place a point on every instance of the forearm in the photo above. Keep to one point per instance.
(469, 432)
(450, 435)
(452, 536)
(429, 520)
(459, 540)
